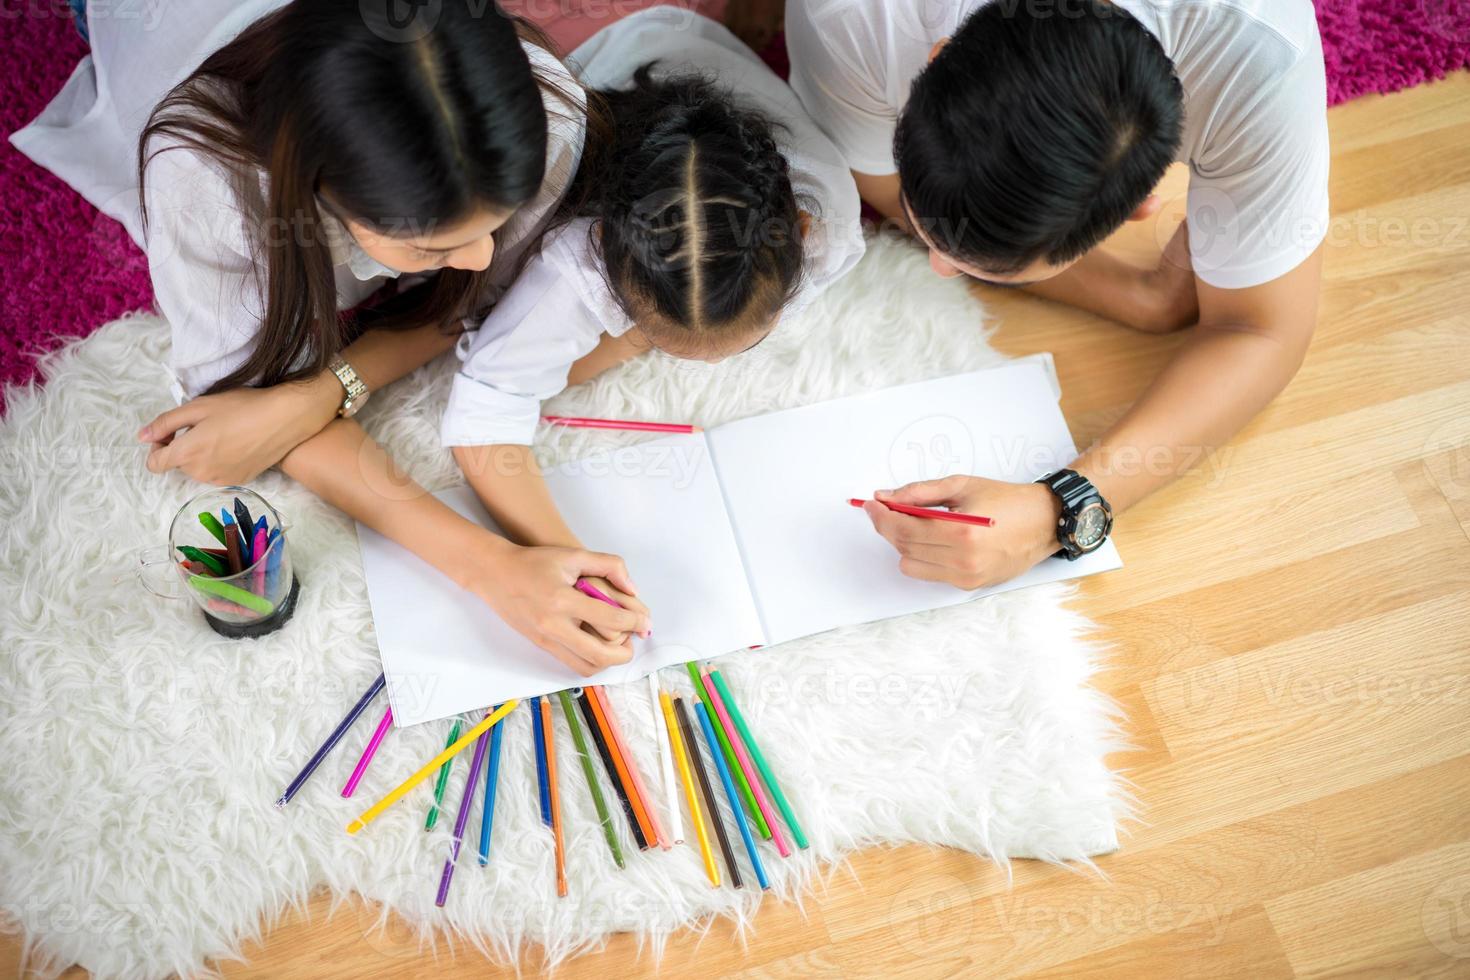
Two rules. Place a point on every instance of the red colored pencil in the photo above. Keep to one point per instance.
(938, 515)
(577, 423)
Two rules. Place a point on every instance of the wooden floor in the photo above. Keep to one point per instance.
(1292, 647)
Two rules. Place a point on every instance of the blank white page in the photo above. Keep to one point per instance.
(815, 562)
(657, 504)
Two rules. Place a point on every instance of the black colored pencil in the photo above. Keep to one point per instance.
(696, 756)
(612, 769)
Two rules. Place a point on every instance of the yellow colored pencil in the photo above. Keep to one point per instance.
(681, 756)
(432, 766)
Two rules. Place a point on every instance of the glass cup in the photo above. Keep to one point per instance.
(195, 564)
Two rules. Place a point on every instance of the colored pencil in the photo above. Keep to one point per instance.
(731, 795)
(696, 758)
(931, 513)
(749, 768)
(407, 786)
(645, 797)
(442, 781)
(682, 759)
(492, 776)
(580, 741)
(640, 812)
(332, 740)
(741, 781)
(548, 732)
(605, 752)
(213, 526)
(538, 744)
(258, 550)
(461, 818)
(666, 762)
(233, 543)
(754, 749)
(584, 423)
(368, 753)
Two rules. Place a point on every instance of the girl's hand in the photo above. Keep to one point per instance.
(964, 555)
(621, 598)
(532, 589)
(236, 435)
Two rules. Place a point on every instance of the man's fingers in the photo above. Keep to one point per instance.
(901, 529)
(929, 571)
(925, 493)
(165, 425)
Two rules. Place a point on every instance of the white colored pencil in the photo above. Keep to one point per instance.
(666, 759)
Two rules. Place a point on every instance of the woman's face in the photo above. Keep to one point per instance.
(464, 245)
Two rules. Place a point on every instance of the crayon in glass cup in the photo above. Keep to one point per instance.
(227, 552)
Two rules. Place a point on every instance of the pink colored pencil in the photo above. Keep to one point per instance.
(579, 423)
(367, 753)
(748, 768)
(622, 749)
(257, 551)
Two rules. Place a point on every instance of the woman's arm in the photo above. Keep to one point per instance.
(234, 436)
(530, 588)
(508, 481)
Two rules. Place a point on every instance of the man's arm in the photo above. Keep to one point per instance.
(1249, 343)
(881, 193)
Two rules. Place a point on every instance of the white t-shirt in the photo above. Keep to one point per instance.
(1255, 132)
(560, 306)
(198, 241)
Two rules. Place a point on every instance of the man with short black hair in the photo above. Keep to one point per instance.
(1013, 136)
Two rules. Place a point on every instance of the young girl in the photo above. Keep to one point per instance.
(322, 152)
(713, 206)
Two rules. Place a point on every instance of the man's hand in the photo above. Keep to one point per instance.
(1170, 296)
(236, 435)
(965, 555)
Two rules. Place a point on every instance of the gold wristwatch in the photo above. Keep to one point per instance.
(357, 392)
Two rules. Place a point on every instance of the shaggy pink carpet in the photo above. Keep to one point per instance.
(65, 270)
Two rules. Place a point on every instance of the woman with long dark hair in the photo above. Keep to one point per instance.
(325, 189)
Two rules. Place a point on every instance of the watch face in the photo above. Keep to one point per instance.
(1092, 524)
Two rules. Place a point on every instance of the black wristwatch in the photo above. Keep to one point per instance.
(1086, 517)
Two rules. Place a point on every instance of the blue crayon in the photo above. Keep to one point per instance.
(724, 770)
(492, 776)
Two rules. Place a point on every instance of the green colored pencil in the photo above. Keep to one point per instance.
(442, 781)
(760, 760)
(729, 753)
(591, 774)
(213, 526)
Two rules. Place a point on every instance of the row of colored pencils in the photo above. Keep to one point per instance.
(729, 751)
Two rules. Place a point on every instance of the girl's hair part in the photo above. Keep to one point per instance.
(697, 224)
(409, 126)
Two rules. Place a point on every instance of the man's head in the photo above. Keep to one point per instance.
(1036, 131)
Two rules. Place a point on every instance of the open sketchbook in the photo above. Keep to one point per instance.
(736, 537)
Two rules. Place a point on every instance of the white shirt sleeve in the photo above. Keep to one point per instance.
(519, 357)
(205, 278)
(837, 70)
(1258, 201)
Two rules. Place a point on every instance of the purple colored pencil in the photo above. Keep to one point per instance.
(462, 817)
(332, 740)
(367, 753)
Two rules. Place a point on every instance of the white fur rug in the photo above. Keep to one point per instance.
(141, 753)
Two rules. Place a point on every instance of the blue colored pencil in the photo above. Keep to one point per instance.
(729, 784)
(492, 776)
(332, 740)
(543, 786)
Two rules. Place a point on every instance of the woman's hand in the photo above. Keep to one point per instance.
(965, 555)
(532, 589)
(236, 435)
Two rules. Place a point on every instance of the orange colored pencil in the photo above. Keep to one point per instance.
(649, 804)
(640, 811)
(556, 832)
